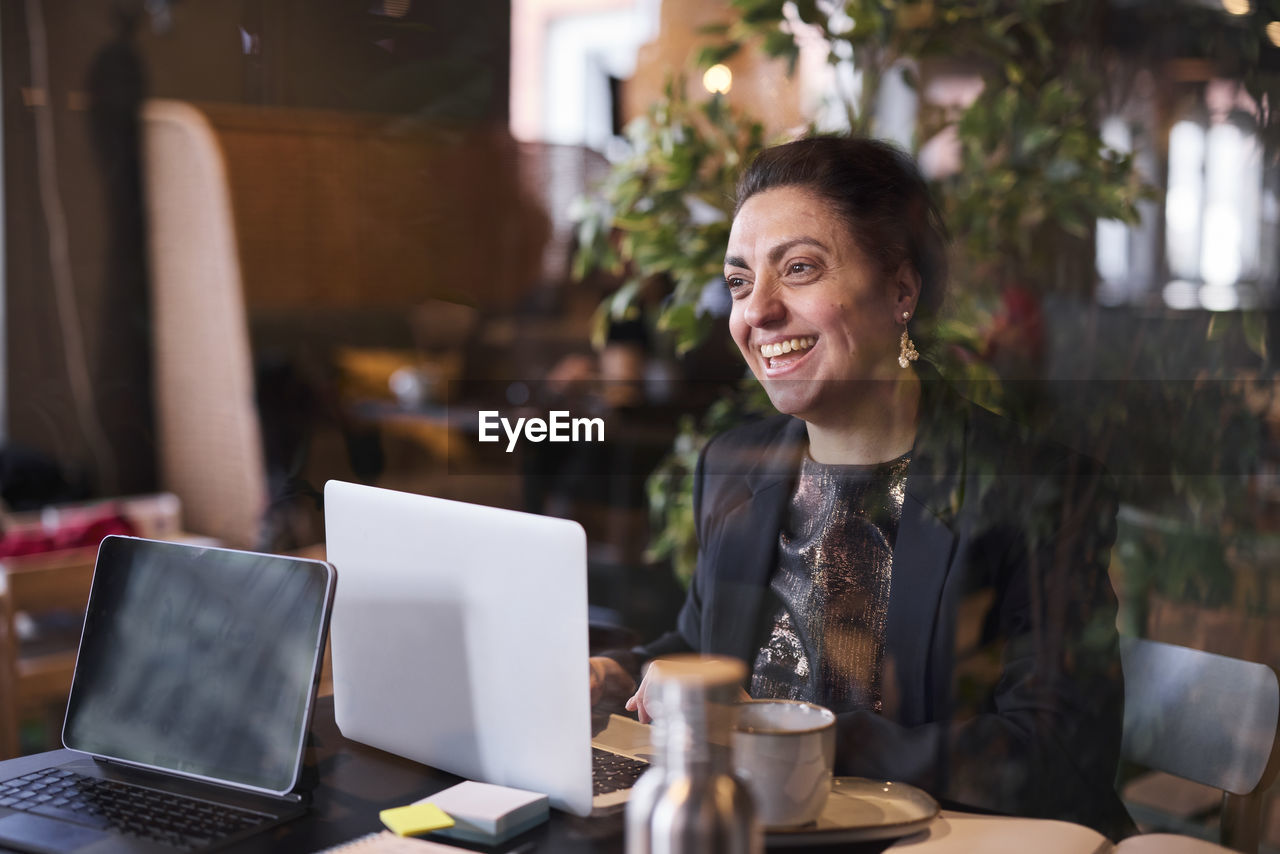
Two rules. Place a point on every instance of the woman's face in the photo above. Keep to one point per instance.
(800, 283)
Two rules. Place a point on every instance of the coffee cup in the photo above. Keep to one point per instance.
(783, 750)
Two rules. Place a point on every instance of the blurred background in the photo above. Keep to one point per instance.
(253, 245)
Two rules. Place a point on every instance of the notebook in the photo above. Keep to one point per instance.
(383, 842)
(189, 708)
(962, 833)
(460, 641)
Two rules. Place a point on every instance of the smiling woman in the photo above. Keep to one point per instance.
(924, 568)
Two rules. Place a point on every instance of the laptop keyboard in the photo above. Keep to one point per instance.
(183, 823)
(611, 772)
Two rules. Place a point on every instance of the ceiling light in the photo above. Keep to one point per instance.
(718, 79)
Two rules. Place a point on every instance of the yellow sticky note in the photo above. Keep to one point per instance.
(415, 819)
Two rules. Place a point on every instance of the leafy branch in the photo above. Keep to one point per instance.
(664, 212)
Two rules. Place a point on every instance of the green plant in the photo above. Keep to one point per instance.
(1034, 176)
(670, 487)
(664, 212)
(662, 217)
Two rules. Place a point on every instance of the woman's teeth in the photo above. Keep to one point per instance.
(783, 347)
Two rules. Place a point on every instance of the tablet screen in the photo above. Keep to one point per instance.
(200, 661)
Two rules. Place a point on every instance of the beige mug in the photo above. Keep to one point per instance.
(784, 750)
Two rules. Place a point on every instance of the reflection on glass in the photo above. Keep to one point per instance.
(1214, 208)
(1180, 294)
(1223, 297)
(1112, 243)
(1221, 237)
(1183, 200)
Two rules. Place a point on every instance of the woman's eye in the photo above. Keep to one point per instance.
(735, 283)
(796, 268)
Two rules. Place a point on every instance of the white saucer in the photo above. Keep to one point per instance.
(860, 809)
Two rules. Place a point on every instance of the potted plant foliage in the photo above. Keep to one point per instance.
(1034, 177)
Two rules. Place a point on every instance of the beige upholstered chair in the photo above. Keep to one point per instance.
(274, 224)
(210, 443)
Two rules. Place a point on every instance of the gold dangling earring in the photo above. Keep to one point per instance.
(907, 352)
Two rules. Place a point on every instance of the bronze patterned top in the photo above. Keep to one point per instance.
(824, 637)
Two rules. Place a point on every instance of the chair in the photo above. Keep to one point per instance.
(36, 679)
(210, 443)
(1206, 718)
(43, 596)
(298, 232)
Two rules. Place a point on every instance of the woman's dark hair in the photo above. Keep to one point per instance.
(880, 194)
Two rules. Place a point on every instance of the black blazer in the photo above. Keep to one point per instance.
(1020, 716)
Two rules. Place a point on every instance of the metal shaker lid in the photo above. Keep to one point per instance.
(691, 669)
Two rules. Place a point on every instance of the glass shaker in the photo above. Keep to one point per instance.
(689, 802)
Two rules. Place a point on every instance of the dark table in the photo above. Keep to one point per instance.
(355, 782)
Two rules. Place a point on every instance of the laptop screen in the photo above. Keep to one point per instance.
(199, 660)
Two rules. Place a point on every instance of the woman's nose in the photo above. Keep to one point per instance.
(764, 306)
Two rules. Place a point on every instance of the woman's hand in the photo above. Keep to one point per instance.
(609, 681)
(637, 702)
(639, 705)
(606, 671)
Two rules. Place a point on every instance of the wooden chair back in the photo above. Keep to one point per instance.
(37, 681)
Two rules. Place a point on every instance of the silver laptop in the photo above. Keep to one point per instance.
(459, 640)
(189, 708)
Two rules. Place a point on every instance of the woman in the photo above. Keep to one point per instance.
(883, 547)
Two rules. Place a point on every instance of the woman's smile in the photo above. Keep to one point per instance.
(783, 355)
